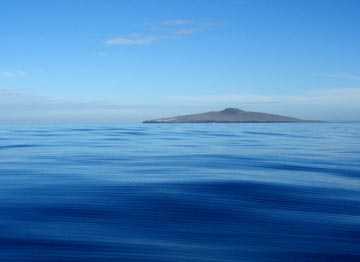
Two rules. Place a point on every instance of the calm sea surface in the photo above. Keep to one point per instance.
(179, 192)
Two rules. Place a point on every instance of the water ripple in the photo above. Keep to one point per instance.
(247, 192)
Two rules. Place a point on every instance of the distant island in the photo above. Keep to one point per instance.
(230, 115)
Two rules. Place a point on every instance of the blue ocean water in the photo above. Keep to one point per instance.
(180, 192)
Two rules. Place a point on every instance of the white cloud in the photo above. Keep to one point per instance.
(134, 40)
(175, 22)
(182, 22)
(12, 74)
(228, 98)
(166, 29)
(20, 100)
(186, 31)
(335, 96)
(25, 107)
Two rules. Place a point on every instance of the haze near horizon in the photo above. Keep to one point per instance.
(116, 62)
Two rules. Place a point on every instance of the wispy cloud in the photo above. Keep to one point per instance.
(229, 98)
(344, 76)
(186, 31)
(334, 96)
(182, 22)
(165, 30)
(175, 22)
(12, 73)
(133, 40)
(26, 101)
(19, 106)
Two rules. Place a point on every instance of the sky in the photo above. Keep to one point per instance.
(103, 61)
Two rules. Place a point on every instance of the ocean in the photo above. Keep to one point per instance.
(180, 192)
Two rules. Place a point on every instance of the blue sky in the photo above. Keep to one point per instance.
(125, 61)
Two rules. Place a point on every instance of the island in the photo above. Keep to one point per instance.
(230, 115)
